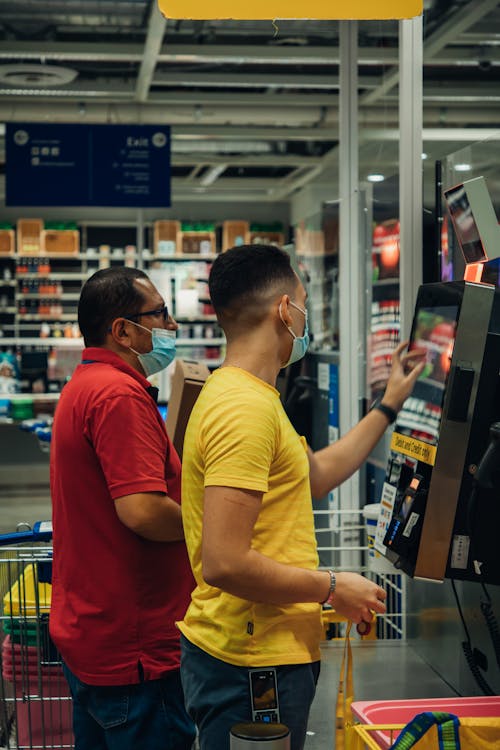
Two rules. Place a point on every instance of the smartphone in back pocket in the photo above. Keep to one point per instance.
(264, 695)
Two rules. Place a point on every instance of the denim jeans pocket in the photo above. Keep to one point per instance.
(108, 705)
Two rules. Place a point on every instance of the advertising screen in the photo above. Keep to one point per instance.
(434, 329)
(465, 224)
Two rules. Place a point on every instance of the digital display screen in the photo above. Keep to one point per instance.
(434, 329)
(465, 225)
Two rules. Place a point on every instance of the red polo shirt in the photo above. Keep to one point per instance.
(115, 595)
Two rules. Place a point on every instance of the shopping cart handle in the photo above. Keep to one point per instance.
(44, 434)
(41, 532)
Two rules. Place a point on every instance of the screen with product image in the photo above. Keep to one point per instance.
(434, 329)
(465, 224)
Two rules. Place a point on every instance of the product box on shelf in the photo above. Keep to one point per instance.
(187, 382)
(7, 240)
(60, 241)
(266, 234)
(197, 239)
(29, 236)
(166, 238)
(234, 233)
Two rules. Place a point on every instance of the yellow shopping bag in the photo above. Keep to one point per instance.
(435, 730)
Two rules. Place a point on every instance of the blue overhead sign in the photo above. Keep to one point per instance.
(87, 165)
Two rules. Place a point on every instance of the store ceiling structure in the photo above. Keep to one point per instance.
(253, 105)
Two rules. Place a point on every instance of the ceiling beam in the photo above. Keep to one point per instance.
(463, 18)
(457, 55)
(67, 51)
(245, 160)
(156, 28)
(254, 80)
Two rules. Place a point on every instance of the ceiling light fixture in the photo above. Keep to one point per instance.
(36, 76)
(462, 167)
(375, 177)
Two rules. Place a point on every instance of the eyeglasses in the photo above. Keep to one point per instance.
(161, 311)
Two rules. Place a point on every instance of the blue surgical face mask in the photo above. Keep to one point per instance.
(300, 343)
(162, 353)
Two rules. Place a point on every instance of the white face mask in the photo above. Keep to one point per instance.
(300, 343)
(162, 353)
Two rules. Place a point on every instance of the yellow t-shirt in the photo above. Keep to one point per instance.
(239, 436)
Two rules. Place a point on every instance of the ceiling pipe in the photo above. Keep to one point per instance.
(282, 118)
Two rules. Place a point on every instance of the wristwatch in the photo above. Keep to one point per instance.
(386, 411)
(333, 584)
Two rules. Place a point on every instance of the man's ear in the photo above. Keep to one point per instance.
(119, 332)
(283, 308)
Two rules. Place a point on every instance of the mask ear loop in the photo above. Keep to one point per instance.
(286, 326)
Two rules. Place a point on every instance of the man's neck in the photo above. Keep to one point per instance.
(265, 368)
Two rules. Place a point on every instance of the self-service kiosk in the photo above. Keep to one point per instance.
(440, 504)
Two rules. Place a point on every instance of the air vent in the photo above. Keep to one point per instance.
(36, 75)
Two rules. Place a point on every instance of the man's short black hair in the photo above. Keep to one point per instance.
(242, 273)
(106, 295)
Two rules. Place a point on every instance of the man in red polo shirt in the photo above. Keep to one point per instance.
(121, 575)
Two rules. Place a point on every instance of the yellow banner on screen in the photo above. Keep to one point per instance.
(275, 9)
(413, 448)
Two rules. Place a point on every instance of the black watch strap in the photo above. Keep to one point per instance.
(387, 411)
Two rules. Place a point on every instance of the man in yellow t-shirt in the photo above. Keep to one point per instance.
(248, 481)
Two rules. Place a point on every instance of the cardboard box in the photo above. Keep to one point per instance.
(187, 382)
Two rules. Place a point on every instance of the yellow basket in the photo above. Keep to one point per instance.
(476, 733)
(27, 596)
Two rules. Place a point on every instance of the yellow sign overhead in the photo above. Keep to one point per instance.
(413, 448)
(287, 9)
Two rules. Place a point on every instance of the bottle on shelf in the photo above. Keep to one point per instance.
(44, 330)
(44, 266)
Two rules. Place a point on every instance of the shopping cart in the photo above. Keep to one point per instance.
(41, 428)
(35, 704)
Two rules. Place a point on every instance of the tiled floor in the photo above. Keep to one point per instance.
(382, 670)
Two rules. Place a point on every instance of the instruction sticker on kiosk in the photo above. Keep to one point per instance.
(386, 510)
(413, 448)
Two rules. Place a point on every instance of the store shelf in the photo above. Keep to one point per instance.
(38, 341)
(390, 324)
(196, 318)
(48, 318)
(33, 396)
(77, 276)
(49, 295)
(5, 282)
(386, 282)
(201, 342)
(8, 310)
(180, 258)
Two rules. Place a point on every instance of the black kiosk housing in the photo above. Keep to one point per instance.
(440, 516)
(441, 524)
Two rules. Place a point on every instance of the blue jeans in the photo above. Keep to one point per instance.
(146, 716)
(217, 696)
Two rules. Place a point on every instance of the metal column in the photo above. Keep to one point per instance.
(410, 166)
(351, 264)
